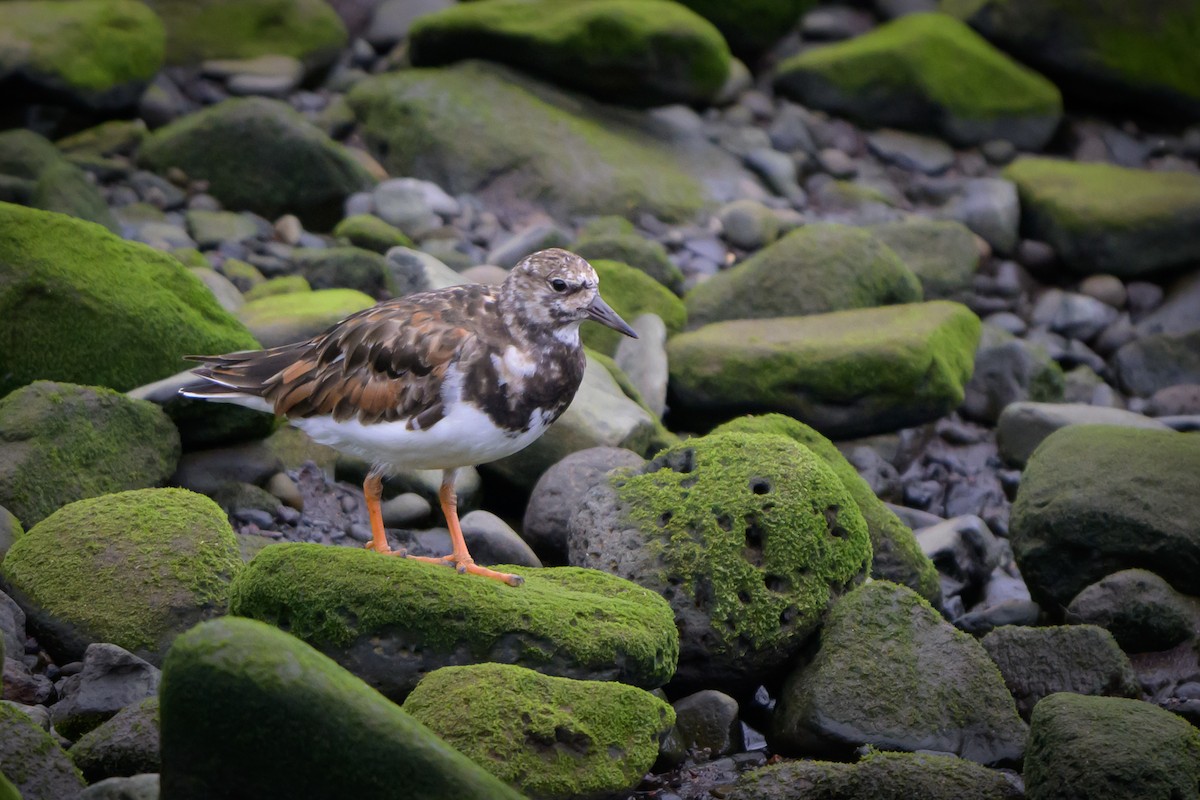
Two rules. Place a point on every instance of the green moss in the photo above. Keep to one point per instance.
(131, 568)
(942, 253)
(64, 188)
(32, 760)
(549, 737)
(629, 248)
(370, 232)
(126, 744)
(23, 153)
(79, 304)
(116, 136)
(631, 293)
(280, 318)
(285, 284)
(243, 274)
(7, 790)
(752, 26)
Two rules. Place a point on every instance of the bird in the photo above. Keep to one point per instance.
(438, 380)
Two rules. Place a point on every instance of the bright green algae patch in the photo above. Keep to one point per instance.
(247, 706)
(279, 319)
(562, 621)
(79, 304)
(133, 568)
(896, 556)
(549, 737)
(631, 293)
(371, 233)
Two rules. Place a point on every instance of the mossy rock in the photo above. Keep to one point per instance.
(846, 373)
(631, 293)
(260, 155)
(633, 52)
(879, 776)
(749, 537)
(241, 699)
(390, 620)
(474, 127)
(346, 268)
(48, 180)
(890, 672)
(7, 790)
(815, 269)
(284, 284)
(126, 744)
(1109, 747)
(79, 304)
(1110, 219)
(895, 554)
(751, 26)
(133, 568)
(551, 738)
(198, 30)
(98, 54)
(1141, 610)
(60, 443)
(284, 318)
(927, 71)
(941, 253)
(1095, 499)
(1010, 370)
(32, 760)
(371, 233)
(629, 248)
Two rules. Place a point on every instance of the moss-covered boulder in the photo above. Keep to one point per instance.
(895, 554)
(133, 568)
(551, 738)
(390, 620)
(878, 775)
(749, 537)
(941, 253)
(371, 233)
(751, 26)
(60, 443)
(927, 71)
(32, 760)
(1095, 499)
(1105, 218)
(347, 268)
(98, 54)
(35, 174)
(282, 318)
(631, 293)
(477, 128)
(197, 30)
(891, 672)
(615, 239)
(846, 373)
(7, 790)
(1105, 50)
(79, 304)
(260, 155)
(127, 744)
(241, 700)
(814, 269)
(631, 52)
(1140, 609)
(1109, 747)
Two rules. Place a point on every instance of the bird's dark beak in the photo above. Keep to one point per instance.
(601, 312)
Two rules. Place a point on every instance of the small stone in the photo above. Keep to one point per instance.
(405, 510)
(111, 679)
(531, 239)
(747, 224)
(288, 229)
(911, 151)
(998, 152)
(837, 164)
(1107, 289)
(708, 720)
(283, 487)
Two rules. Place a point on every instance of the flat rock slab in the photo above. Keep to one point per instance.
(1024, 425)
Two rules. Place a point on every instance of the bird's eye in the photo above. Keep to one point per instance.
(558, 285)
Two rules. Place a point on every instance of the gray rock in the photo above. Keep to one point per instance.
(135, 787)
(392, 18)
(1139, 608)
(1023, 425)
(206, 471)
(413, 271)
(210, 229)
(644, 361)
(111, 679)
(1118, 334)
(1182, 399)
(789, 129)
(778, 172)
(1076, 316)
(492, 541)
(1146, 365)
(228, 295)
(12, 626)
(1107, 289)
(748, 224)
(32, 759)
(989, 207)
(963, 549)
(708, 720)
(1008, 370)
(406, 204)
(125, 745)
(533, 238)
(942, 253)
(1012, 612)
(406, 509)
(22, 686)
(911, 151)
(1180, 310)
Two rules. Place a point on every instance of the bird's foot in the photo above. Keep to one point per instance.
(386, 550)
(467, 565)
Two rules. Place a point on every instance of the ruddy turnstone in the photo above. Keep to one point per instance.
(436, 380)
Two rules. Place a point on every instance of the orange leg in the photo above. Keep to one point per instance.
(372, 491)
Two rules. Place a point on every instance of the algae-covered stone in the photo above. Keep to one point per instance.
(134, 568)
(895, 554)
(632, 52)
(99, 54)
(1140, 610)
(79, 304)
(347, 268)
(927, 71)
(817, 268)
(250, 712)
(260, 155)
(7, 790)
(60, 443)
(127, 744)
(551, 738)
(1110, 219)
(472, 128)
(879, 776)
(607, 239)
(751, 26)
(891, 672)
(1109, 747)
(32, 761)
(941, 253)
(846, 373)
(1095, 499)
(283, 318)
(371, 233)
(748, 537)
(390, 620)
(631, 293)
(46, 179)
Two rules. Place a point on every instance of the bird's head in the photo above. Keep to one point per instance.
(555, 290)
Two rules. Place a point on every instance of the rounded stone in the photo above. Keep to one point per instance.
(1140, 610)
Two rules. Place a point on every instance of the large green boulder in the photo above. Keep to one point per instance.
(284, 318)
(99, 54)
(631, 52)
(34, 173)
(32, 760)
(891, 672)
(1095, 499)
(942, 254)
(846, 373)
(1110, 219)
(751, 26)
(478, 128)
(814, 269)
(631, 293)
(60, 443)
(615, 239)
(260, 155)
(1110, 747)
(390, 620)
(250, 712)
(551, 738)
(927, 71)
(1105, 50)
(79, 304)
(895, 554)
(748, 537)
(133, 568)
